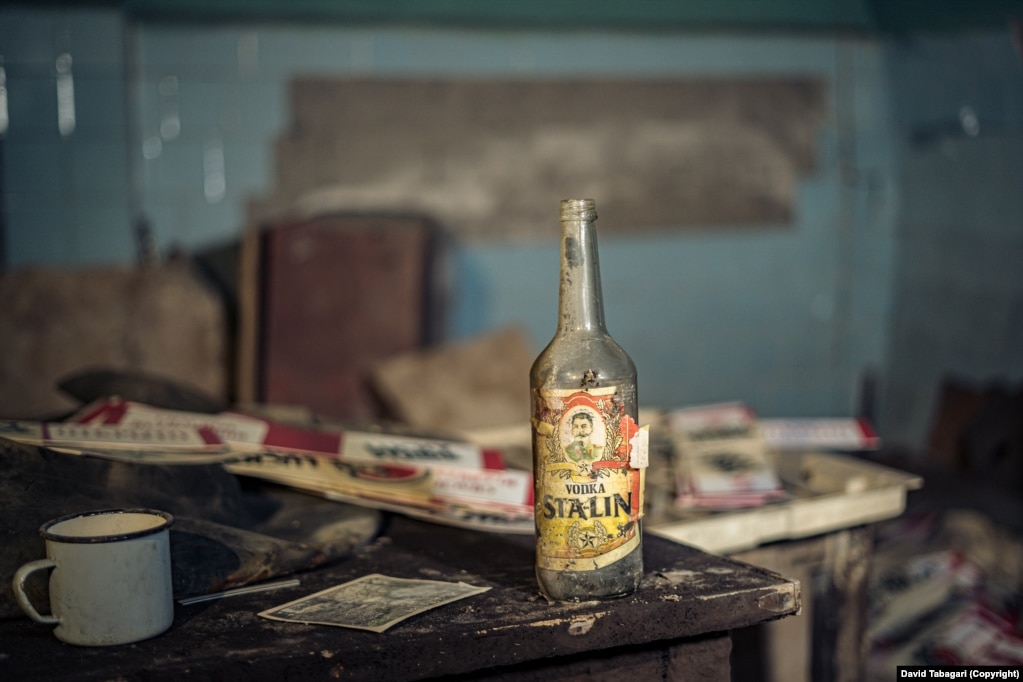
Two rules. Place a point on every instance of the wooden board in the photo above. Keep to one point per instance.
(162, 321)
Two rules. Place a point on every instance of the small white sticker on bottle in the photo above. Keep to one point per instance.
(639, 448)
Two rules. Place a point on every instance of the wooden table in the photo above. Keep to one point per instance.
(675, 627)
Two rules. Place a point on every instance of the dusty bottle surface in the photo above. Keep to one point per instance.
(589, 496)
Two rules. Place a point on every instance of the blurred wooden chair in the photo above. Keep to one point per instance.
(323, 299)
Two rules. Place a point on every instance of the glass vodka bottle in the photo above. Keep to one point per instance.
(588, 494)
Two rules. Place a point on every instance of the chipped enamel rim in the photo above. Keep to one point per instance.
(75, 528)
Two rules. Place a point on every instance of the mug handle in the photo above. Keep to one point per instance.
(19, 590)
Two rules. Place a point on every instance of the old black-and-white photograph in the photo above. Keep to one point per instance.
(373, 602)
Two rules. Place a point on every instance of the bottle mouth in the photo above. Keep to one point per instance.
(578, 209)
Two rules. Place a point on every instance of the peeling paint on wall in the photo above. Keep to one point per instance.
(488, 158)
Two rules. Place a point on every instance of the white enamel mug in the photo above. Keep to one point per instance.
(111, 577)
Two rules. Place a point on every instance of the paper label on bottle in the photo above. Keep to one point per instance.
(589, 498)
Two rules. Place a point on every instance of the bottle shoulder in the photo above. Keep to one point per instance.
(578, 360)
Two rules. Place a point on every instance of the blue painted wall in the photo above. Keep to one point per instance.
(65, 197)
(788, 318)
(958, 301)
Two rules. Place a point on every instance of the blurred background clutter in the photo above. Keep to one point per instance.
(351, 208)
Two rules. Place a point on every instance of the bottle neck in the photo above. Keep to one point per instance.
(580, 300)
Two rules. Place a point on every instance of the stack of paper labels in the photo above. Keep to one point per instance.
(448, 481)
(721, 458)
